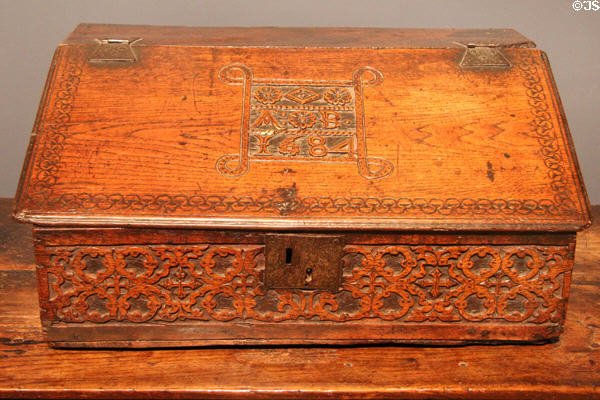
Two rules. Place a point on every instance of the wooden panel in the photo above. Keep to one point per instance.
(566, 369)
(302, 139)
(16, 253)
(194, 287)
(300, 37)
(187, 294)
(121, 236)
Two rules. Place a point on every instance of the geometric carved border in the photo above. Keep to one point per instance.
(57, 126)
(544, 129)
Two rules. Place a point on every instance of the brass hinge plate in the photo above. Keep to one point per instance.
(303, 261)
(114, 50)
(478, 56)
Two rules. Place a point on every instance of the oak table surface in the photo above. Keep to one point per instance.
(569, 368)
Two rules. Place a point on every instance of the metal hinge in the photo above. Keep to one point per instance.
(479, 56)
(114, 50)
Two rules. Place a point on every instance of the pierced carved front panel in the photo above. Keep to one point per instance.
(225, 283)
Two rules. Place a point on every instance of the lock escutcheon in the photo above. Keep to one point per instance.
(303, 261)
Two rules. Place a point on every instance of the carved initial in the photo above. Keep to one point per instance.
(294, 120)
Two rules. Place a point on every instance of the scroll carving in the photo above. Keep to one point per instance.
(387, 283)
(302, 120)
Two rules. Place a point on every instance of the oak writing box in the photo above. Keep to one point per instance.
(196, 186)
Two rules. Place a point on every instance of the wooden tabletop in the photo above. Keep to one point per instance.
(569, 368)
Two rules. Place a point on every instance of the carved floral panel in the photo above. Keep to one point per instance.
(224, 283)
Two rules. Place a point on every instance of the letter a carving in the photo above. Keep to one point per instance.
(266, 118)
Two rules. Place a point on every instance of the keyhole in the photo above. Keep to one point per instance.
(288, 255)
(308, 278)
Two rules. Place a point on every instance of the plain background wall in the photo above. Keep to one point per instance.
(30, 30)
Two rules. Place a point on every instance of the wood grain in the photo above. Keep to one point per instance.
(15, 253)
(396, 137)
(164, 287)
(441, 159)
(567, 369)
(300, 37)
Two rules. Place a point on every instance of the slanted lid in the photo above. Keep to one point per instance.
(301, 129)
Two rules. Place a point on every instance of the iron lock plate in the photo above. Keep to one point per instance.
(303, 261)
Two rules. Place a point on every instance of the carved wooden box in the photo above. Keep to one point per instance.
(195, 186)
